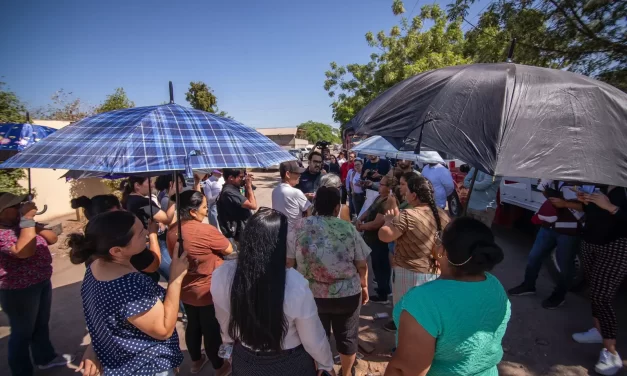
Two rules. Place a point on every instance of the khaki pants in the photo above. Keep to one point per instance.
(484, 216)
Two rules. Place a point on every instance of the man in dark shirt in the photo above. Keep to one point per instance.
(310, 179)
(374, 170)
(233, 208)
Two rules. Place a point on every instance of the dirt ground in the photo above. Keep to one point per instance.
(537, 342)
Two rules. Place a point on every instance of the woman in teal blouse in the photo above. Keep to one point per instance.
(455, 324)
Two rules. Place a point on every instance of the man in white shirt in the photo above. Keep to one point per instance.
(287, 199)
(212, 188)
(442, 181)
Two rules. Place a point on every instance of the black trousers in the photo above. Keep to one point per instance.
(202, 324)
(341, 314)
(381, 268)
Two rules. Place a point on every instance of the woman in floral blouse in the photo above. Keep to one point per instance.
(331, 255)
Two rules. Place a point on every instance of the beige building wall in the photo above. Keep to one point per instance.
(55, 192)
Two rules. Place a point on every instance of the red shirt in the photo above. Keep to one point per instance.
(204, 244)
(17, 273)
(346, 166)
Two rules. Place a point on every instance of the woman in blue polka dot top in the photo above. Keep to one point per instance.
(130, 318)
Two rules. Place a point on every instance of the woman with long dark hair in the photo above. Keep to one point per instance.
(205, 246)
(416, 230)
(136, 199)
(267, 311)
(140, 315)
(455, 324)
(332, 256)
(370, 223)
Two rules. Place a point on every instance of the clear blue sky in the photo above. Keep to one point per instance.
(265, 60)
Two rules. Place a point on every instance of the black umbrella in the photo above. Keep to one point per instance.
(509, 120)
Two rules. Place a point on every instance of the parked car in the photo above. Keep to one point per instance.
(296, 153)
(305, 152)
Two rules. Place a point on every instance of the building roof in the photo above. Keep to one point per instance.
(278, 131)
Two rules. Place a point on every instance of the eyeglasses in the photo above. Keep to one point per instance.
(316, 161)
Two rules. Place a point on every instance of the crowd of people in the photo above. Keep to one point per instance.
(262, 289)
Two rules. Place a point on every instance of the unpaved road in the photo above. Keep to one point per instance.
(537, 341)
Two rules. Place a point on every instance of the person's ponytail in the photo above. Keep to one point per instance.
(126, 189)
(103, 232)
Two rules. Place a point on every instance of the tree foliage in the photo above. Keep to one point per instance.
(407, 49)
(11, 108)
(586, 36)
(64, 107)
(201, 97)
(9, 181)
(116, 101)
(320, 132)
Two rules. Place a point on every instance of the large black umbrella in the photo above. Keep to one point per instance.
(509, 120)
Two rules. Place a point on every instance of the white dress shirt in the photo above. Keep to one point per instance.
(299, 308)
(212, 188)
(442, 181)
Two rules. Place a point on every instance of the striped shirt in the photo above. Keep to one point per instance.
(414, 246)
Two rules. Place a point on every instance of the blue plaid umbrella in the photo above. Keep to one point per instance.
(15, 138)
(152, 139)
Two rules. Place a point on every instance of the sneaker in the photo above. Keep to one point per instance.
(522, 290)
(60, 360)
(390, 327)
(553, 302)
(608, 364)
(379, 299)
(591, 336)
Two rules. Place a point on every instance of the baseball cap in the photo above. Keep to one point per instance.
(290, 166)
(9, 199)
(217, 172)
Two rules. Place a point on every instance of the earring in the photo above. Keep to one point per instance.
(440, 255)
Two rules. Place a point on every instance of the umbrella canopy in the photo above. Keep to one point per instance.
(152, 139)
(381, 147)
(508, 119)
(15, 138)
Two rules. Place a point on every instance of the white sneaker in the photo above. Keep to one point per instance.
(591, 336)
(61, 360)
(608, 364)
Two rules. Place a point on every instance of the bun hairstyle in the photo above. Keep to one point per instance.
(103, 232)
(470, 247)
(95, 205)
(127, 186)
(327, 199)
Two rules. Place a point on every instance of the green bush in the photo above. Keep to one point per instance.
(9, 181)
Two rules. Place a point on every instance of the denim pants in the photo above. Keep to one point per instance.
(213, 215)
(381, 268)
(166, 260)
(567, 247)
(28, 310)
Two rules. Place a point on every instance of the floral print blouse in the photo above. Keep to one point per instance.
(326, 249)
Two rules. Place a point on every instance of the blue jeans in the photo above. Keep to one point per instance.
(213, 215)
(166, 260)
(29, 313)
(567, 247)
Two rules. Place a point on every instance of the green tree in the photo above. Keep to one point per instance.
(116, 101)
(200, 96)
(65, 107)
(315, 132)
(585, 36)
(402, 52)
(11, 108)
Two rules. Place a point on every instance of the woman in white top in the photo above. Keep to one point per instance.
(267, 311)
(354, 179)
(212, 188)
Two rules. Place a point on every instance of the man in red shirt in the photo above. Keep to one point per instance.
(344, 168)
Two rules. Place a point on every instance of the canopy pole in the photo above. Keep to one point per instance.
(171, 93)
(178, 212)
(472, 184)
(417, 149)
(30, 189)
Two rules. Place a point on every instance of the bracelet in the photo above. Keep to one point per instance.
(27, 222)
(613, 212)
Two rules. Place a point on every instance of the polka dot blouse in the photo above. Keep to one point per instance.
(122, 348)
